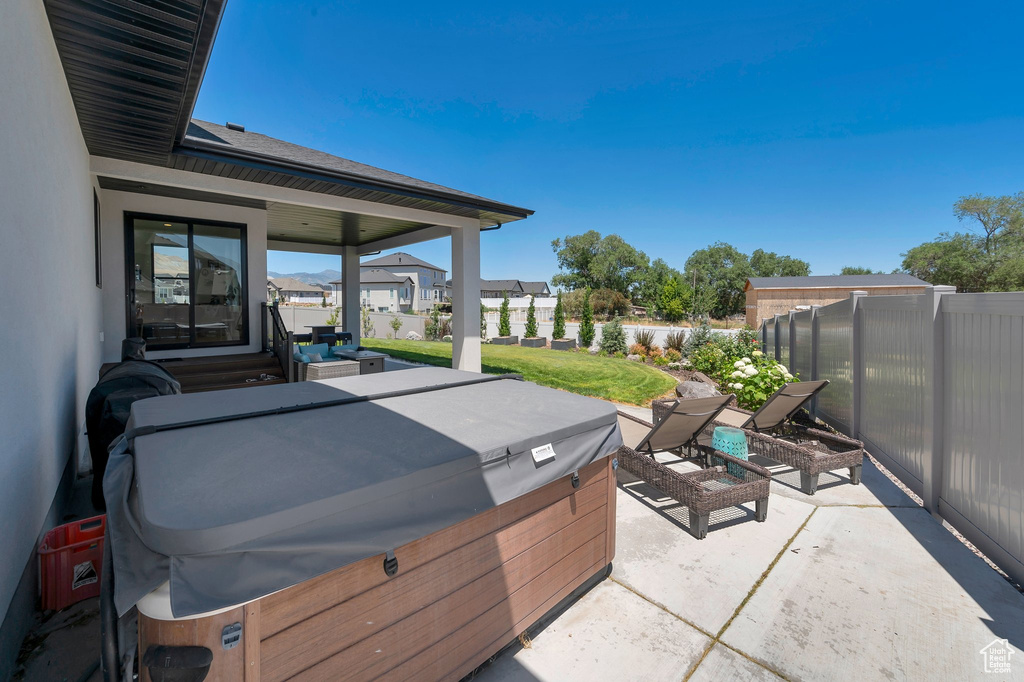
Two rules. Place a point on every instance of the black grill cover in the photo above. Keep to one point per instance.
(110, 404)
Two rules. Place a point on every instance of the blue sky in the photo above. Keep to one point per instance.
(840, 133)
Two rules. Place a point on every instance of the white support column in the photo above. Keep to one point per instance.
(466, 298)
(350, 291)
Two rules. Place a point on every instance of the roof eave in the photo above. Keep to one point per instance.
(213, 12)
(216, 153)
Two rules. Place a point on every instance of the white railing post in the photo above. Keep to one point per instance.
(856, 361)
(932, 431)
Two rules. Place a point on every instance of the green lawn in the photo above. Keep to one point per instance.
(609, 378)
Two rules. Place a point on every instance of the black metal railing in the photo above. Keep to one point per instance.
(277, 338)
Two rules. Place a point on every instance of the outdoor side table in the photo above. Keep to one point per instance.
(370, 362)
(331, 370)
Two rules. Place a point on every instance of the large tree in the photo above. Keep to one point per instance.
(770, 264)
(990, 259)
(724, 270)
(590, 260)
(651, 281)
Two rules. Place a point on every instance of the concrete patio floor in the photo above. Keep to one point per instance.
(854, 583)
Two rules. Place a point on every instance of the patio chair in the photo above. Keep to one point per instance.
(687, 424)
(772, 433)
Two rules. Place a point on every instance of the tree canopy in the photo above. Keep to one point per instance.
(724, 270)
(989, 260)
(770, 264)
(857, 270)
(590, 260)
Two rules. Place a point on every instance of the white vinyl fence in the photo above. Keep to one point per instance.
(934, 386)
(296, 319)
(572, 330)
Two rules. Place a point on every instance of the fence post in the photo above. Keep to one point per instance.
(792, 338)
(775, 350)
(856, 360)
(814, 355)
(931, 477)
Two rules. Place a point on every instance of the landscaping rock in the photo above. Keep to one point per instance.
(635, 358)
(696, 389)
(447, 338)
(413, 336)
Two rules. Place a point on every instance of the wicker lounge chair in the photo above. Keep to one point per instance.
(772, 433)
(688, 424)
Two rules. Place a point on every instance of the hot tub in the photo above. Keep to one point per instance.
(404, 525)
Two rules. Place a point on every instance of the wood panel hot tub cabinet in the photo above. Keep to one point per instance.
(459, 596)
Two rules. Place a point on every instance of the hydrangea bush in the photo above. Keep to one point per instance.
(754, 379)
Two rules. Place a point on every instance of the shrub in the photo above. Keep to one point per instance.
(504, 325)
(698, 337)
(432, 329)
(586, 322)
(609, 303)
(654, 352)
(396, 324)
(637, 349)
(645, 337)
(483, 321)
(447, 338)
(572, 304)
(672, 355)
(367, 322)
(559, 330)
(674, 365)
(444, 327)
(660, 361)
(708, 359)
(332, 319)
(676, 341)
(613, 338)
(753, 379)
(531, 321)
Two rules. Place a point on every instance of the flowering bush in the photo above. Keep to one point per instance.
(753, 379)
(638, 349)
(672, 355)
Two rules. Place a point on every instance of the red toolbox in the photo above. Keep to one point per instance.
(70, 561)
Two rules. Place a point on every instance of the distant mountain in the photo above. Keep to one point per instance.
(322, 277)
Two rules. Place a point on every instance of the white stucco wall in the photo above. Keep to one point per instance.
(114, 206)
(51, 356)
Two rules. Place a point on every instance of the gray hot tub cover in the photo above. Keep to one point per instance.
(230, 507)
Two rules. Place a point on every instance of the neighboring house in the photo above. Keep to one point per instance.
(384, 292)
(515, 288)
(291, 290)
(429, 286)
(770, 296)
(536, 289)
(161, 225)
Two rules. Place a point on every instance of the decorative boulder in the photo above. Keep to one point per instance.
(447, 338)
(413, 336)
(635, 358)
(695, 389)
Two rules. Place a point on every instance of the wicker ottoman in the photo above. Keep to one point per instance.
(331, 370)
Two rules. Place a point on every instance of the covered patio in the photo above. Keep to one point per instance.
(279, 196)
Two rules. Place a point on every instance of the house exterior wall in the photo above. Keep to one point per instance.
(416, 274)
(115, 204)
(46, 219)
(763, 303)
(376, 296)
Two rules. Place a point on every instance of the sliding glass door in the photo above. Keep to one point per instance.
(186, 282)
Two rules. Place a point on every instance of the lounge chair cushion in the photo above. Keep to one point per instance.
(301, 357)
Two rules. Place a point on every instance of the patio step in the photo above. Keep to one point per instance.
(216, 373)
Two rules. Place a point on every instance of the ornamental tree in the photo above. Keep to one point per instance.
(559, 330)
(587, 322)
(531, 321)
(504, 324)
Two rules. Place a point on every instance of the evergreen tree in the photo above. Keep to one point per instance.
(483, 321)
(559, 331)
(531, 321)
(587, 321)
(504, 324)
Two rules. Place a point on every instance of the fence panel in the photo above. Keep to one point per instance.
(782, 334)
(982, 452)
(769, 337)
(894, 396)
(800, 345)
(835, 363)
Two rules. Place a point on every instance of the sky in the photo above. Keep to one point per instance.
(839, 133)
